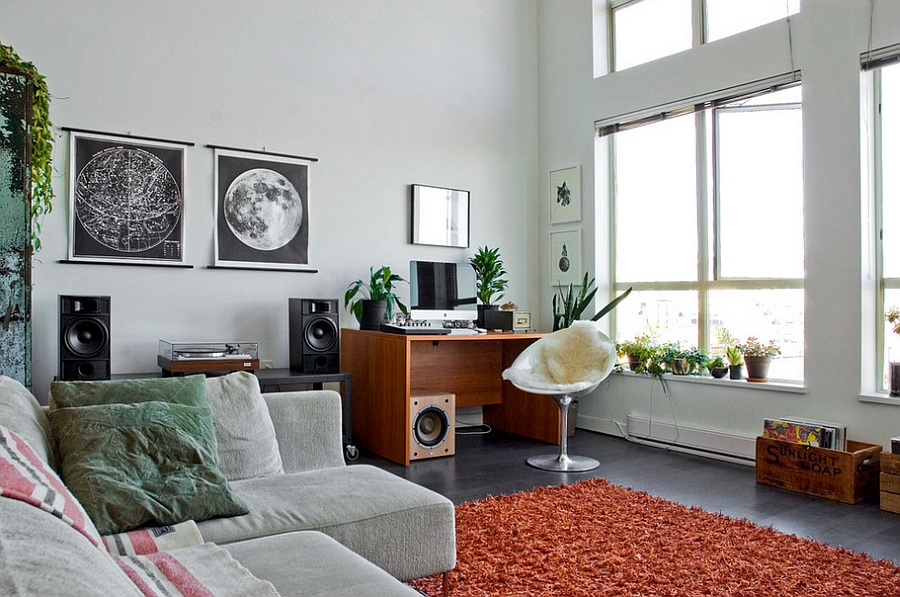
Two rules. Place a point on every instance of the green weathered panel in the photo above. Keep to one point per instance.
(15, 229)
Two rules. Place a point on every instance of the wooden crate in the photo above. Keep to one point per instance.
(890, 482)
(850, 477)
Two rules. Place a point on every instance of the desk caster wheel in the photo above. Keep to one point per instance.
(350, 452)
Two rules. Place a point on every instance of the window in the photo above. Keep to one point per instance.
(644, 30)
(881, 105)
(707, 225)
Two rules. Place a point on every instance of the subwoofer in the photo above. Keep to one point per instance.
(84, 338)
(314, 335)
(432, 427)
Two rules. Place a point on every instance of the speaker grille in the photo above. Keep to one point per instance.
(431, 426)
(321, 334)
(86, 337)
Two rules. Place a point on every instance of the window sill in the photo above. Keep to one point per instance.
(880, 399)
(742, 384)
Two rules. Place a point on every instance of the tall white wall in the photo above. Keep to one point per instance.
(827, 37)
(384, 94)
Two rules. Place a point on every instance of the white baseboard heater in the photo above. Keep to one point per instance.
(714, 444)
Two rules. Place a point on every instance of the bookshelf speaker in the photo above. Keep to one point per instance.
(84, 340)
(315, 335)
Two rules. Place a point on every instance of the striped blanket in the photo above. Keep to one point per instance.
(162, 562)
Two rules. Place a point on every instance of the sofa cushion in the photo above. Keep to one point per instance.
(244, 432)
(134, 464)
(401, 527)
(42, 555)
(189, 390)
(20, 412)
(27, 478)
(310, 564)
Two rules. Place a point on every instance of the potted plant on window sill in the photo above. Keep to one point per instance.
(758, 357)
(735, 362)
(639, 351)
(717, 367)
(489, 274)
(893, 317)
(373, 303)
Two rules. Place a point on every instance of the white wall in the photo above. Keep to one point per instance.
(384, 93)
(827, 37)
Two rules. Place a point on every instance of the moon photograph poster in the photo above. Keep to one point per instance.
(262, 210)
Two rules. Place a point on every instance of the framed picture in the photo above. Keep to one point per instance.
(522, 321)
(261, 210)
(439, 216)
(126, 199)
(565, 258)
(565, 195)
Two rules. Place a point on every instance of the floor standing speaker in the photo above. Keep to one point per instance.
(84, 340)
(432, 426)
(314, 335)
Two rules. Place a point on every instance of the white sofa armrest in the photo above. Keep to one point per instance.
(308, 428)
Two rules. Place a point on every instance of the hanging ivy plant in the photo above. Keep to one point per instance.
(41, 141)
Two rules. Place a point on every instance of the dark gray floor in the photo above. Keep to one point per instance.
(494, 464)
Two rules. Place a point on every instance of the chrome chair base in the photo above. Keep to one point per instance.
(563, 464)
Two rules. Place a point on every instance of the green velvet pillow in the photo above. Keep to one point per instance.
(190, 390)
(134, 464)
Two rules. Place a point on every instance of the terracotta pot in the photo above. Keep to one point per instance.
(757, 368)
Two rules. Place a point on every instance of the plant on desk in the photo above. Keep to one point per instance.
(374, 302)
(489, 274)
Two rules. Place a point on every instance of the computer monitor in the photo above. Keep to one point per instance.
(442, 291)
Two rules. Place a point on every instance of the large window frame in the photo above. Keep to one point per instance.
(872, 64)
(709, 279)
(700, 30)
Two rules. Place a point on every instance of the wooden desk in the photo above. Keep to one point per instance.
(385, 367)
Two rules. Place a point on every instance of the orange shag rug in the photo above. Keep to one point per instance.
(593, 538)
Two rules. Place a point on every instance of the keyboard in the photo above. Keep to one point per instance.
(463, 332)
(410, 330)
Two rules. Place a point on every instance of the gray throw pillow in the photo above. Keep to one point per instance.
(245, 434)
(136, 464)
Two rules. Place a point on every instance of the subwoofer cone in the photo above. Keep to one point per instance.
(321, 334)
(86, 337)
(430, 427)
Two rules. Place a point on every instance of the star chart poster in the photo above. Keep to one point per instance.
(126, 199)
(262, 210)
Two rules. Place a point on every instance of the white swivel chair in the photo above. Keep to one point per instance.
(564, 365)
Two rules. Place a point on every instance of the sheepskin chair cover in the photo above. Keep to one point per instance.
(567, 361)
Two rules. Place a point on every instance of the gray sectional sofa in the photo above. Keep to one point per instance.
(314, 526)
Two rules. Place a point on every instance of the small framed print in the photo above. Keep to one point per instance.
(521, 321)
(565, 195)
(565, 258)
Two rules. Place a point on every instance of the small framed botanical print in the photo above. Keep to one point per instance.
(565, 195)
(565, 258)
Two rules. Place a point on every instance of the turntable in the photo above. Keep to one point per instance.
(178, 358)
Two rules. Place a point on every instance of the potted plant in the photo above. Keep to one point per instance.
(373, 303)
(489, 273)
(717, 367)
(639, 350)
(735, 361)
(568, 306)
(758, 357)
(893, 317)
(683, 361)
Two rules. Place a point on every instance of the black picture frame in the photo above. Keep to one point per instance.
(261, 231)
(439, 216)
(126, 199)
